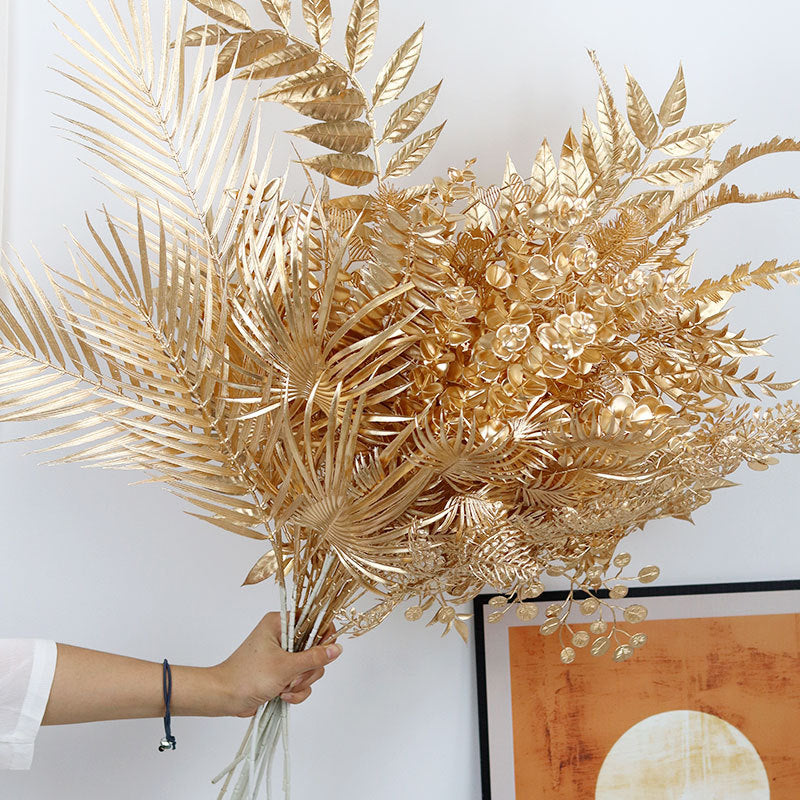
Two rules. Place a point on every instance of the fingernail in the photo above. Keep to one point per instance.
(333, 651)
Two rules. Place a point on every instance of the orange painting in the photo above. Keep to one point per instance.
(744, 670)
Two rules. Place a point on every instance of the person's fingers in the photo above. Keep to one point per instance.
(314, 658)
(305, 680)
(296, 697)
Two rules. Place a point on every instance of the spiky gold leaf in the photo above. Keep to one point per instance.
(673, 170)
(674, 102)
(204, 34)
(352, 170)
(595, 151)
(640, 113)
(318, 81)
(279, 11)
(362, 28)
(412, 154)
(405, 119)
(544, 173)
(396, 73)
(344, 137)
(573, 174)
(318, 18)
(690, 140)
(227, 12)
(292, 59)
(339, 107)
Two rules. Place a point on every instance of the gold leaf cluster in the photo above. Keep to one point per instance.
(407, 393)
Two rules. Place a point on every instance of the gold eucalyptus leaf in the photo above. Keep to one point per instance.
(351, 170)
(640, 112)
(691, 139)
(225, 11)
(674, 103)
(339, 107)
(396, 73)
(319, 20)
(672, 171)
(573, 174)
(405, 119)
(411, 155)
(344, 137)
(264, 568)
(318, 81)
(291, 60)
(204, 34)
(362, 28)
(279, 11)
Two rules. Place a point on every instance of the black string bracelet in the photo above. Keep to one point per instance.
(168, 742)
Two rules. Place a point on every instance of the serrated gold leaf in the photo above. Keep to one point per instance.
(671, 171)
(318, 81)
(397, 71)
(352, 170)
(319, 20)
(595, 150)
(279, 11)
(411, 155)
(573, 174)
(544, 174)
(690, 140)
(210, 34)
(362, 28)
(252, 47)
(640, 112)
(291, 60)
(405, 119)
(674, 103)
(225, 11)
(344, 137)
(339, 107)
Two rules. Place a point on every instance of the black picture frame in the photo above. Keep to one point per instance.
(481, 602)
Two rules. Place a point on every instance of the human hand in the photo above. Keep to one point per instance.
(260, 669)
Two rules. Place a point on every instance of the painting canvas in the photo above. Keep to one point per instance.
(707, 710)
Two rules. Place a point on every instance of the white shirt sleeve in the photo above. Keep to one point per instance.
(27, 667)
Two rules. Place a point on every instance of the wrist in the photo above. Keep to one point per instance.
(199, 692)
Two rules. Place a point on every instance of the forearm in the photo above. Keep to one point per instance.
(90, 685)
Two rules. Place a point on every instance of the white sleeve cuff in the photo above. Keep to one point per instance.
(16, 749)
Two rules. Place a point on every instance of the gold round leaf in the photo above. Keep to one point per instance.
(600, 646)
(497, 601)
(621, 560)
(623, 652)
(580, 638)
(639, 640)
(527, 611)
(649, 574)
(550, 626)
(567, 655)
(414, 613)
(599, 626)
(553, 609)
(635, 614)
(618, 592)
(589, 605)
(495, 616)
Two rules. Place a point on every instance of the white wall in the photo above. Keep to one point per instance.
(88, 560)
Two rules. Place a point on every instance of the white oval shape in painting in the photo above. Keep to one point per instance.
(682, 755)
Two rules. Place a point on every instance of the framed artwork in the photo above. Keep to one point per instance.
(708, 709)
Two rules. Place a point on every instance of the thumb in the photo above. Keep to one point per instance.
(315, 657)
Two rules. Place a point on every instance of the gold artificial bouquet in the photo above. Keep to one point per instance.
(407, 393)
